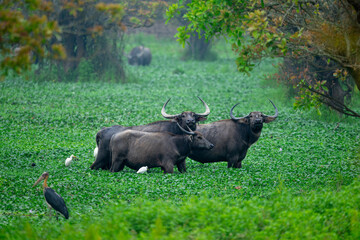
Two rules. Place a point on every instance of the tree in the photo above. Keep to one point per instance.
(33, 29)
(318, 28)
(69, 32)
(198, 46)
(24, 28)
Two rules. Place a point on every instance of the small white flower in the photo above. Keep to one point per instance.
(280, 149)
(31, 211)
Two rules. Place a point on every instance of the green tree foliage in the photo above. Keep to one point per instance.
(24, 29)
(282, 28)
(197, 47)
(232, 19)
(35, 29)
(69, 32)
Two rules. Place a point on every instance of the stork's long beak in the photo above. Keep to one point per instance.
(39, 180)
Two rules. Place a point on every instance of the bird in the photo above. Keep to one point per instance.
(142, 169)
(53, 199)
(69, 160)
(96, 152)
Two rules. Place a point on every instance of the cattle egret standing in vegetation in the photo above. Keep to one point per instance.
(53, 200)
(96, 152)
(142, 169)
(69, 160)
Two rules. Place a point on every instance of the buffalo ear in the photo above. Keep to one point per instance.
(245, 120)
(268, 119)
(200, 119)
(176, 120)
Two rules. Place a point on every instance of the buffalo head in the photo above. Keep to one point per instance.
(255, 119)
(198, 141)
(140, 56)
(187, 118)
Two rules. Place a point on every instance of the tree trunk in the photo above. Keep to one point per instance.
(356, 5)
(355, 73)
(69, 44)
(80, 48)
(198, 48)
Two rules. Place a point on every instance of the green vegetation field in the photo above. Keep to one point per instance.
(299, 181)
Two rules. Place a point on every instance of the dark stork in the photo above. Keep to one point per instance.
(53, 200)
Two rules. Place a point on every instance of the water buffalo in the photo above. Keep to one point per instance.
(103, 157)
(154, 149)
(231, 137)
(140, 56)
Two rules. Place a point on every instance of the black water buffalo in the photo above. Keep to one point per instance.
(136, 149)
(140, 56)
(231, 137)
(103, 158)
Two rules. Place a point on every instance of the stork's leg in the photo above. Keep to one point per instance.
(50, 213)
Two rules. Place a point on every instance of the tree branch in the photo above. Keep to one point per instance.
(335, 104)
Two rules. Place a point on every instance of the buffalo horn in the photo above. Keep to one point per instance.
(232, 115)
(165, 115)
(187, 132)
(207, 110)
(276, 112)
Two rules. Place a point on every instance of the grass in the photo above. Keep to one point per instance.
(317, 215)
(43, 123)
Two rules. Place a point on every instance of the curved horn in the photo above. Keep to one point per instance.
(140, 53)
(165, 115)
(207, 110)
(187, 132)
(272, 118)
(232, 115)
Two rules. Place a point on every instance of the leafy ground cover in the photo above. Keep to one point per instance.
(317, 215)
(43, 123)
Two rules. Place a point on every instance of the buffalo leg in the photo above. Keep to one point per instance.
(120, 166)
(181, 166)
(117, 164)
(102, 160)
(239, 160)
(168, 168)
(232, 161)
(238, 164)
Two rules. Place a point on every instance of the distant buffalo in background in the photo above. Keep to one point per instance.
(140, 56)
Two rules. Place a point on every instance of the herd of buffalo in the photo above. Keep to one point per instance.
(167, 143)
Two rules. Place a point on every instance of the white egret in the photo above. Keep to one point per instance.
(96, 152)
(142, 169)
(69, 160)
